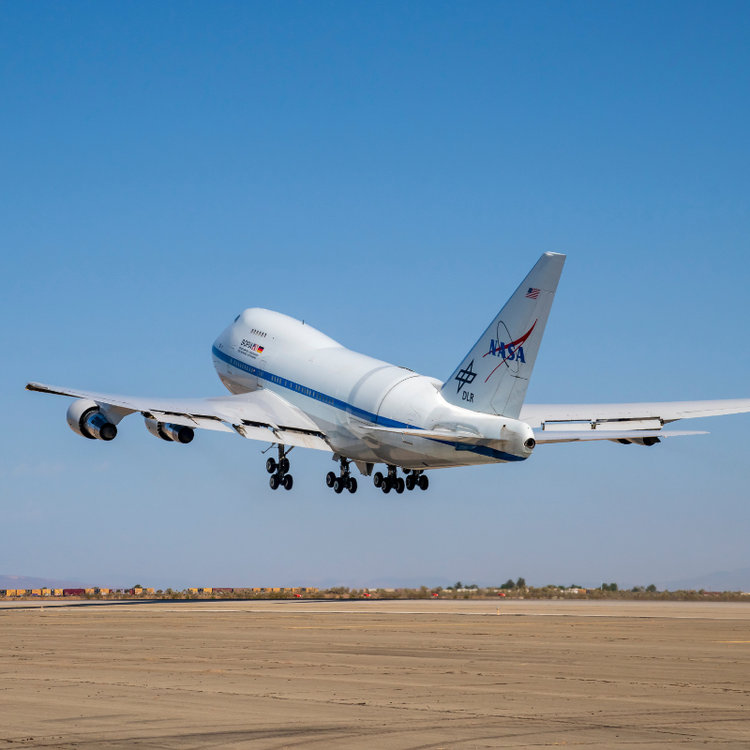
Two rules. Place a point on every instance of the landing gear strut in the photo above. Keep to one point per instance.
(414, 478)
(389, 482)
(417, 478)
(345, 481)
(279, 470)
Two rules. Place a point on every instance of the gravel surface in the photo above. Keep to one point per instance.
(424, 674)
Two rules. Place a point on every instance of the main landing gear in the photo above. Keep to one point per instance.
(345, 481)
(390, 482)
(279, 470)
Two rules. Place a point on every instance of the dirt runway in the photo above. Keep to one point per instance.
(428, 674)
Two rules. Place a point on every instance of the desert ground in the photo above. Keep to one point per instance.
(376, 674)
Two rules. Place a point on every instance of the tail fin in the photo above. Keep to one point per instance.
(494, 375)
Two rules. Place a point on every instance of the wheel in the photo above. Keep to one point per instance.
(386, 487)
(351, 485)
(411, 482)
(271, 466)
(423, 482)
(330, 479)
(284, 465)
(399, 484)
(377, 479)
(274, 481)
(338, 485)
(287, 481)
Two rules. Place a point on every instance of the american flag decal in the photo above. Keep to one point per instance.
(532, 293)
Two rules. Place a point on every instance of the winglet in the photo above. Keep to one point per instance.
(41, 388)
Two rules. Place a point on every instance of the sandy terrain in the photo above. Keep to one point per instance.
(432, 674)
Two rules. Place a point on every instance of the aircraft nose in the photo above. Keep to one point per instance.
(224, 340)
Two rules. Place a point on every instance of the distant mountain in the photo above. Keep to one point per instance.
(722, 580)
(28, 582)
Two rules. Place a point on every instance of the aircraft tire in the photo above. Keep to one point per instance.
(399, 485)
(386, 487)
(377, 479)
(338, 485)
(351, 485)
(274, 481)
(271, 466)
(411, 482)
(423, 482)
(287, 481)
(284, 465)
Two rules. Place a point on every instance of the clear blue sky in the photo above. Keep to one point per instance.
(388, 172)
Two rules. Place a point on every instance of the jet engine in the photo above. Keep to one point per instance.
(85, 418)
(649, 441)
(172, 433)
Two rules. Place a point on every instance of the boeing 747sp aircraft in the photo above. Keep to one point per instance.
(292, 385)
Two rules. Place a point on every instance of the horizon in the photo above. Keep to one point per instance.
(697, 583)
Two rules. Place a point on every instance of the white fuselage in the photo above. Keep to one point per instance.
(350, 395)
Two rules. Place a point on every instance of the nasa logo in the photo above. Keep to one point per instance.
(512, 352)
(507, 351)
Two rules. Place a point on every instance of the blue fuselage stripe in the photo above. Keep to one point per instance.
(344, 406)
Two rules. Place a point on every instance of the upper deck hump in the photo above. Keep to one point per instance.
(275, 325)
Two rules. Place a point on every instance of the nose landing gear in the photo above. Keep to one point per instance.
(345, 481)
(279, 470)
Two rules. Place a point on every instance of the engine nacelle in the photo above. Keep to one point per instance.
(172, 433)
(86, 418)
(649, 441)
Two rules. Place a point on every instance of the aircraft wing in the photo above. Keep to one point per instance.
(575, 436)
(559, 423)
(259, 415)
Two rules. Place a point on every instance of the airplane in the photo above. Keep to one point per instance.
(291, 385)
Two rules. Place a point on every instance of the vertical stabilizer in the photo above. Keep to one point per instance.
(494, 375)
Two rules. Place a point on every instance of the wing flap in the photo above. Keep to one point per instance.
(301, 438)
(196, 422)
